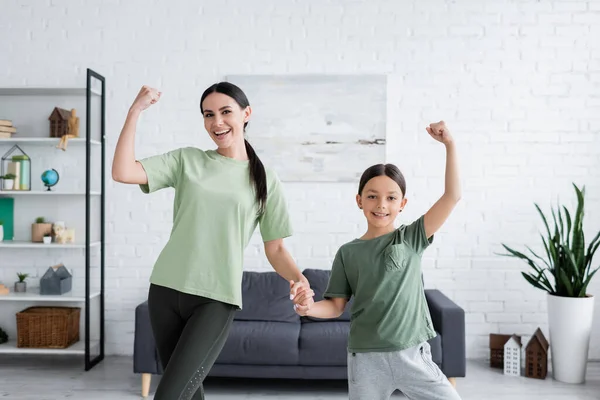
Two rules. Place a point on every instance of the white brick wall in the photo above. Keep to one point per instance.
(517, 81)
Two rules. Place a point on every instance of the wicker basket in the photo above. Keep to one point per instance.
(48, 327)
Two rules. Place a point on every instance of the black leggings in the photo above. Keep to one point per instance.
(190, 332)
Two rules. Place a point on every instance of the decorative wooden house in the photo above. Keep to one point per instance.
(536, 356)
(512, 356)
(63, 122)
(497, 342)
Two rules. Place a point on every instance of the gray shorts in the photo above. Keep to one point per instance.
(375, 376)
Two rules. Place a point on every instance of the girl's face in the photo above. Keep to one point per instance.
(224, 119)
(381, 201)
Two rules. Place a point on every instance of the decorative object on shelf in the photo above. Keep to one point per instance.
(8, 181)
(58, 230)
(4, 290)
(63, 122)
(497, 342)
(7, 207)
(21, 285)
(50, 177)
(48, 327)
(56, 281)
(512, 356)
(69, 236)
(63, 234)
(3, 336)
(565, 273)
(40, 229)
(24, 173)
(1, 230)
(536, 356)
(6, 129)
(18, 165)
(47, 238)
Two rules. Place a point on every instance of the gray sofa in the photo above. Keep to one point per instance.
(269, 340)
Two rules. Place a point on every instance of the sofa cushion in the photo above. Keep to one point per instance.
(324, 344)
(261, 343)
(266, 297)
(318, 279)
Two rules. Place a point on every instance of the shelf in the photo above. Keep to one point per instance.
(77, 348)
(33, 296)
(38, 91)
(46, 140)
(24, 244)
(44, 193)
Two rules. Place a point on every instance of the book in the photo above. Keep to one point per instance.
(7, 210)
(10, 129)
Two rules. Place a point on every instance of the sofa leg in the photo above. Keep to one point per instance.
(452, 381)
(146, 378)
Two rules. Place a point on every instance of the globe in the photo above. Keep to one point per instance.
(50, 178)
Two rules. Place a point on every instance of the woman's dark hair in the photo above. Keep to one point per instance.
(258, 175)
(389, 170)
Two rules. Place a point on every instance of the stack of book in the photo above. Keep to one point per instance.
(6, 129)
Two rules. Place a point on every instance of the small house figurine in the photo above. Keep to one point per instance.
(63, 122)
(497, 342)
(512, 356)
(56, 281)
(536, 356)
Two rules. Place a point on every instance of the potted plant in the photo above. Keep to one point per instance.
(8, 181)
(1, 230)
(21, 285)
(47, 238)
(39, 229)
(564, 272)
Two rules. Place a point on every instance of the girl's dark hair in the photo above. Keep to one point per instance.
(258, 175)
(389, 170)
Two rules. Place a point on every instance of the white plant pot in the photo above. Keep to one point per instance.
(570, 325)
(8, 184)
(1, 233)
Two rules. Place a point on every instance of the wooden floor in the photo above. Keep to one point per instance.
(31, 378)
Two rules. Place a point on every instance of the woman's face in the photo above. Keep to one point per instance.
(224, 119)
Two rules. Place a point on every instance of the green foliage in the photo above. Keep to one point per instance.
(565, 270)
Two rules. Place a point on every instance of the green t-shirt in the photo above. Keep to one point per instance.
(389, 311)
(214, 217)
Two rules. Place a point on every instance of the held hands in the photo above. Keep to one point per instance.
(302, 295)
(145, 98)
(439, 131)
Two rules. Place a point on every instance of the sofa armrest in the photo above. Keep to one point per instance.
(145, 356)
(449, 320)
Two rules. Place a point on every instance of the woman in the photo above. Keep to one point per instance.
(220, 197)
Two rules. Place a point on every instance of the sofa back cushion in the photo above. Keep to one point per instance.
(266, 297)
(318, 279)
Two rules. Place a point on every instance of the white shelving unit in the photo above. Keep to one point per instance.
(43, 193)
(76, 349)
(29, 104)
(52, 141)
(22, 244)
(36, 297)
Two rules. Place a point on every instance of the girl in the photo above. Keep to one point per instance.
(220, 197)
(387, 345)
